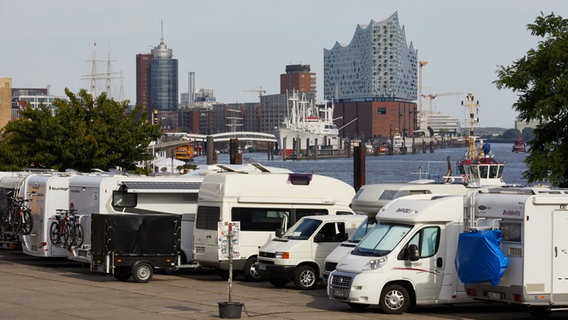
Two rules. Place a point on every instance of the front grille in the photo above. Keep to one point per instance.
(267, 254)
(341, 281)
(265, 261)
(330, 266)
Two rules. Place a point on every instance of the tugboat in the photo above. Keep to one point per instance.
(479, 167)
(519, 146)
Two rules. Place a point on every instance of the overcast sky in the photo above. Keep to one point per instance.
(235, 47)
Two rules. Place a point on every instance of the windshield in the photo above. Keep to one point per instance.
(381, 240)
(302, 229)
(362, 230)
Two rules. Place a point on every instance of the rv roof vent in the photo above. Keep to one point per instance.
(301, 179)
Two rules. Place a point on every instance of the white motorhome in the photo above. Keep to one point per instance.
(407, 259)
(533, 223)
(46, 193)
(262, 203)
(371, 198)
(298, 255)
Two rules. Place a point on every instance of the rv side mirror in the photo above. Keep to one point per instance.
(320, 237)
(413, 254)
(279, 233)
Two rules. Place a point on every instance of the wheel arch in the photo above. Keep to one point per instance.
(408, 286)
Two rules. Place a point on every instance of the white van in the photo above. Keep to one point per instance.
(262, 203)
(299, 254)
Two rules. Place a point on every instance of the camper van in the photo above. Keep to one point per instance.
(298, 255)
(46, 194)
(531, 223)
(261, 203)
(371, 198)
(407, 259)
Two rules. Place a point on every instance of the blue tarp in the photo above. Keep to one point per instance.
(479, 257)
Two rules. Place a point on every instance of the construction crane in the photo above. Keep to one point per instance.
(422, 119)
(433, 96)
(259, 90)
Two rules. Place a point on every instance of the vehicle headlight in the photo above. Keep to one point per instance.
(282, 255)
(375, 263)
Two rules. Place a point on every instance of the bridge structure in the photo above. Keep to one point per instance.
(180, 138)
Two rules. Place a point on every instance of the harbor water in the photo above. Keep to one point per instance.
(393, 168)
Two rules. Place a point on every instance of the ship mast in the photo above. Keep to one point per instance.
(471, 120)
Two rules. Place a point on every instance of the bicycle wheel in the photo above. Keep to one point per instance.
(15, 221)
(79, 236)
(54, 233)
(27, 222)
(68, 235)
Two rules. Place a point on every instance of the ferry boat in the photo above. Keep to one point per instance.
(307, 127)
(519, 146)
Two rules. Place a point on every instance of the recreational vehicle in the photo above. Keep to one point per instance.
(261, 203)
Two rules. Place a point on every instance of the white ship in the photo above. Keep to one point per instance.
(307, 126)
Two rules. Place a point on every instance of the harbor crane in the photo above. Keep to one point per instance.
(433, 96)
(259, 90)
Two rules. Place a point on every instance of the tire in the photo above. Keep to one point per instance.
(358, 306)
(142, 272)
(395, 299)
(306, 278)
(27, 222)
(79, 235)
(68, 235)
(16, 222)
(54, 233)
(250, 272)
(278, 283)
(122, 273)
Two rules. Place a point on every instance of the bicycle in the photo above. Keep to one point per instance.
(18, 217)
(66, 231)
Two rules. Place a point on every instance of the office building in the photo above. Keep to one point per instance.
(163, 79)
(297, 78)
(143, 75)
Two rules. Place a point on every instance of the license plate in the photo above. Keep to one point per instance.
(261, 266)
(339, 293)
(199, 249)
(494, 295)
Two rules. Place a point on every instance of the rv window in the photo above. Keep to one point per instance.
(511, 231)
(297, 214)
(333, 232)
(381, 240)
(207, 218)
(259, 219)
(302, 230)
(123, 199)
(427, 240)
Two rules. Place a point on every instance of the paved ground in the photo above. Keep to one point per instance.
(32, 288)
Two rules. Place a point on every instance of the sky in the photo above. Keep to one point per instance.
(238, 47)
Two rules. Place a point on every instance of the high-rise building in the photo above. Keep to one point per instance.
(163, 79)
(5, 101)
(377, 63)
(297, 78)
(143, 74)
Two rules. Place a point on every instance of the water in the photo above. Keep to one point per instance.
(395, 168)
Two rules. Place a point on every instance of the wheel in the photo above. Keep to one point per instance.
(68, 235)
(122, 273)
(394, 299)
(79, 236)
(278, 283)
(358, 306)
(54, 233)
(27, 222)
(250, 272)
(306, 278)
(16, 221)
(142, 272)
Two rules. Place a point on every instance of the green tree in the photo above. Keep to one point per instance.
(540, 79)
(80, 133)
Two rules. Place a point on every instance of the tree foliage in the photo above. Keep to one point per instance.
(540, 79)
(80, 133)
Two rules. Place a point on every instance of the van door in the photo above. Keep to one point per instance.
(328, 237)
(427, 272)
(559, 257)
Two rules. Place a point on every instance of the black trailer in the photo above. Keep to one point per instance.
(135, 244)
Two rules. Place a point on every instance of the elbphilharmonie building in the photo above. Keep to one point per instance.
(376, 64)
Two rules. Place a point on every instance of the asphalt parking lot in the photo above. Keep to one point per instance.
(33, 288)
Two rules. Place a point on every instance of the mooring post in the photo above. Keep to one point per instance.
(211, 156)
(358, 165)
(234, 156)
